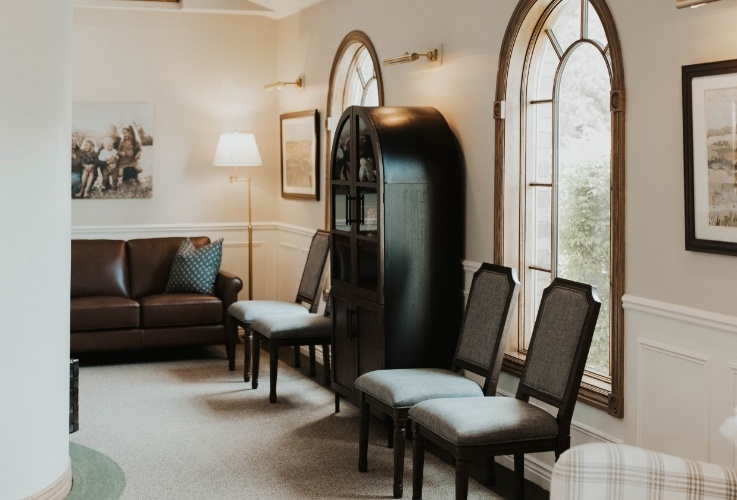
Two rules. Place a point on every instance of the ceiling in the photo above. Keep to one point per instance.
(275, 9)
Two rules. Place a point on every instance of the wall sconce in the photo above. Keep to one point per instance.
(681, 4)
(299, 82)
(432, 56)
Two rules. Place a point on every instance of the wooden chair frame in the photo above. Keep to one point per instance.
(565, 405)
(399, 415)
(311, 299)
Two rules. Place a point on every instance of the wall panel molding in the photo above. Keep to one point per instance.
(658, 402)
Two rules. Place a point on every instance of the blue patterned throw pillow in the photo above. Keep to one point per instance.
(194, 269)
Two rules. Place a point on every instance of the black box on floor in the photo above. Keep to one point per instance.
(73, 395)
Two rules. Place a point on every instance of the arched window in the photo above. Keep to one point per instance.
(355, 79)
(559, 194)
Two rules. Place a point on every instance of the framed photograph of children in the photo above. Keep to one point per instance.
(112, 150)
(710, 156)
(300, 150)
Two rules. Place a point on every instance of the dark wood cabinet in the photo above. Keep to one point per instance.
(396, 241)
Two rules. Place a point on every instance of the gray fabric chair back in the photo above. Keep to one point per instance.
(308, 291)
(480, 349)
(560, 344)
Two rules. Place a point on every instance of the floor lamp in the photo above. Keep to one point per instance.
(240, 150)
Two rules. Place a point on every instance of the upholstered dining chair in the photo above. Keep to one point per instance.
(480, 350)
(486, 427)
(291, 330)
(243, 312)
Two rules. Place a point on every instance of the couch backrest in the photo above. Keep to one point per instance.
(150, 260)
(99, 267)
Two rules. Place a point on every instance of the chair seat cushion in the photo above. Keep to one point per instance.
(293, 326)
(180, 309)
(246, 311)
(478, 421)
(409, 386)
(103, 312)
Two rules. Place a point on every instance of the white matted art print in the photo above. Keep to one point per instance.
(299, 155)
(112, 150)
(710, 156)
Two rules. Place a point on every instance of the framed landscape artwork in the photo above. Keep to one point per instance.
(710, 156)
(300, 168)
(112, 150)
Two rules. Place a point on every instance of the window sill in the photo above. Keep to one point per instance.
(593, 392)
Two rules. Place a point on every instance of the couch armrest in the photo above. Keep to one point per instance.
(227, 286)
(613, 472)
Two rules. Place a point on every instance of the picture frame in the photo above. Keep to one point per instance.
(300, 152)
(113, 154)
(710, 156)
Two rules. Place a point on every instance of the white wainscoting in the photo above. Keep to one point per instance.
(681, 372)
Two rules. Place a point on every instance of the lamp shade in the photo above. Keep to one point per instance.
(237, 150)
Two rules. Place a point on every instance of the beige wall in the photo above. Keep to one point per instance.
(680, 306)
(204, 73)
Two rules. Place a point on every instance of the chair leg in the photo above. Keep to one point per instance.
(326, 363)
(519, 472)
(400, 428)
(247, 341)
(418, 465)
(313, 369)
(231, 335)
(337, 403)
(297, 360)
(389, 432)
(256, 358)
(461, 478)
(363, 435)
(273, 366)
(490, 472)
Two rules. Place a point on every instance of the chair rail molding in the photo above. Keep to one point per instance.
(697, 317)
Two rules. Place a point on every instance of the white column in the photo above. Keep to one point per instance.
(35, 223)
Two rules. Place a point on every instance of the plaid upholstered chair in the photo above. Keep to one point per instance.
(243, 312)
(608, 471)
(278, 330)
(486, 427)
(480, 350)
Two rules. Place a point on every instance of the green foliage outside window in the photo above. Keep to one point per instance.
(584, 242)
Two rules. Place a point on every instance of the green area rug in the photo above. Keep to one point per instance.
(94, 475)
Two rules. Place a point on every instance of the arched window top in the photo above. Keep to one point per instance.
(355, 79)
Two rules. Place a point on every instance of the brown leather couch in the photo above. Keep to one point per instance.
(118, 300)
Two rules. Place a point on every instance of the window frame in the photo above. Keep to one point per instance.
(516, 54)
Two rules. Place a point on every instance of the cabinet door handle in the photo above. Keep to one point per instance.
(348, 212)
(360, 202)
(350, 334)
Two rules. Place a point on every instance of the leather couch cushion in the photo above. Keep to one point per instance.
(150, 261)
(99, 267)
(180, 309)
(95, 313)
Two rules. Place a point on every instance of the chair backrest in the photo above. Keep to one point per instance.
(309, 285)
(483, 336)
(559, 346)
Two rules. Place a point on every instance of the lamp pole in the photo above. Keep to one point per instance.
(240, 150)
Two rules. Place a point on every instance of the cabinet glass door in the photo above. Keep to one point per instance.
(341, 189)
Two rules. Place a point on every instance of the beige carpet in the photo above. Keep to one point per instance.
(181, 426)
